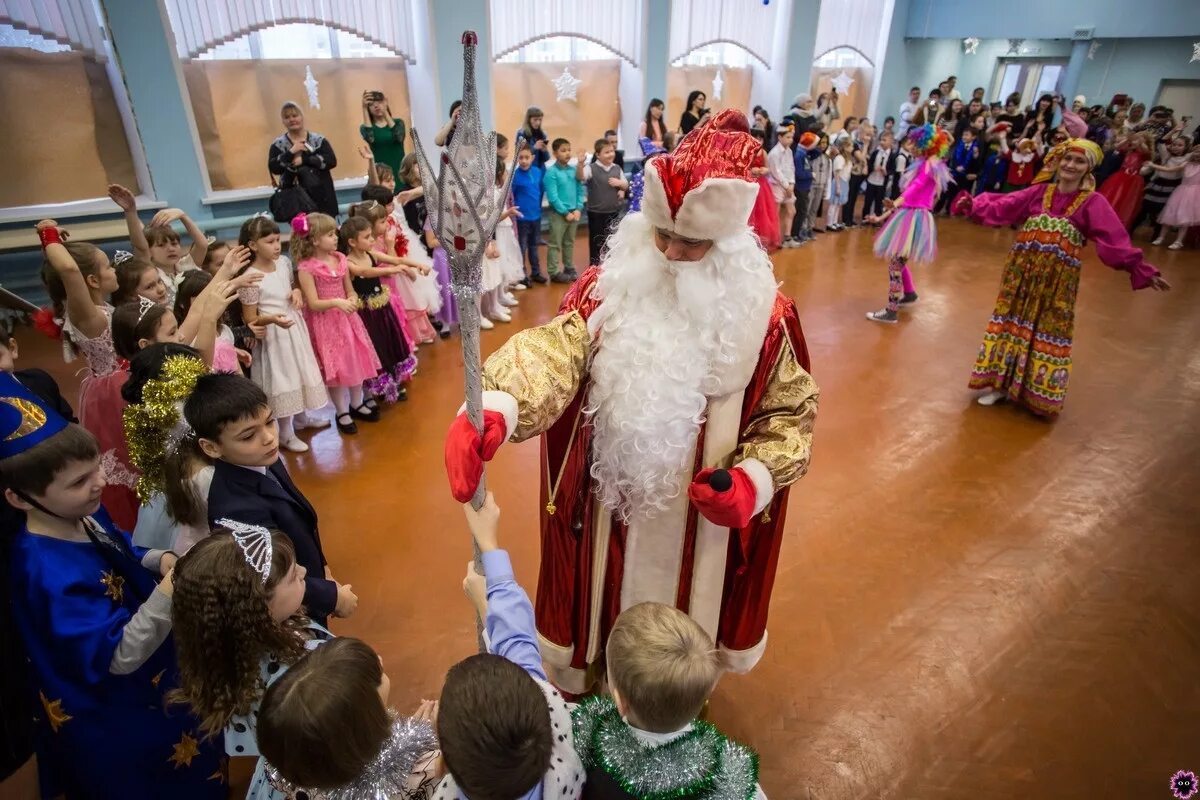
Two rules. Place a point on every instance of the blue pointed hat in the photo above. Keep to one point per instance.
(25, 421)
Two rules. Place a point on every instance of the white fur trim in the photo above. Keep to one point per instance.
(764, 484)
(568, 679)
(554, 654)
(716, 209)
(601, 533)
(742, 661)
(712, 540)
(503, 402)
(654, 554)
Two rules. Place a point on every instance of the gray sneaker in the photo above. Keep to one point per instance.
(883, 315)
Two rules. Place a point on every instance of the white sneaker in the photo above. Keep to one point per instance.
(501, 316)
(991, 398)
(303, 422)
(1157, 242)
(294, 445)
(1175, 246)
(485, 323)
(518, 287)
(508, 300)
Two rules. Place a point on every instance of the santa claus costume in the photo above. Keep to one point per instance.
(655, 374)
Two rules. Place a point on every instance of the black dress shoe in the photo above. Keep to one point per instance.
(538, 277)
(365, 414)
(346, 427)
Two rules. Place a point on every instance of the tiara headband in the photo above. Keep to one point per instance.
(144, 305)
(120, 257)
(256, 544)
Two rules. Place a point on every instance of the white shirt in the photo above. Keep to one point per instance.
(907, 110)
(781, 167)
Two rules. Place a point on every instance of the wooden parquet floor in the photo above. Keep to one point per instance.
(971, 603)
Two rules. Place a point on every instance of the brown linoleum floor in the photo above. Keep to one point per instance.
(971, 602)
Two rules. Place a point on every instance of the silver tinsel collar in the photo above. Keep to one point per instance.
(386, 776)
(700, 764)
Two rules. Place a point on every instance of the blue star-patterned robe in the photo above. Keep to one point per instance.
(102, 735)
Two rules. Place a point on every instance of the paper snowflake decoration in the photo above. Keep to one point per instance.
(1014, 47)
(1092, 48)
(1195, 52)
(718, 83)
(842, 82)
(312, 87)
(566, 85)
(970, 45)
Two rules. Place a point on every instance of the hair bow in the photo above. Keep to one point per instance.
(300, 224)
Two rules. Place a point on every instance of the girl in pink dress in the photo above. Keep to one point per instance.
(764, 217)
(344, 350)
(910, 233)
(78, 278)
(1183, 207)
(1125, 189)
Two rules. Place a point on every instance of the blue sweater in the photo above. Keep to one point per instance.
(804, 175)
(564, 192)
(527, 192)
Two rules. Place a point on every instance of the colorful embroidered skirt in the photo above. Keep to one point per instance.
(909, 233)
(1026, 350)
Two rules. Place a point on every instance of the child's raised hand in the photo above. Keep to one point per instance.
(122, 197)
(427, 712)
(347, 601)
(364, 150)
(408, 195)
(167, 216)
(484, 522)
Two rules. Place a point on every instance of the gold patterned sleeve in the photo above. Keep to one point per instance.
(542, 368)
(780, 431)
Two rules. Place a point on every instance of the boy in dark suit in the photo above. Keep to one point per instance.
(235, 428)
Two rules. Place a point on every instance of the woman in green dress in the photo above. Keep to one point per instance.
(381, 131)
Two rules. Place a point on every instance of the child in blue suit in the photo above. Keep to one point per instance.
(96, 623)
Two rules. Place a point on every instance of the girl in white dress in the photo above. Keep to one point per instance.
(285, 367)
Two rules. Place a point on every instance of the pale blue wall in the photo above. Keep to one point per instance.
(450, 19)
(658, 34)
(797, 76)
(931, 61)
(1052, 18)
(1137, 67)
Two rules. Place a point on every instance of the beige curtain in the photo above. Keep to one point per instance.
(64, 135)
(236, 106)
(516, 87)
(682, 80)
(854, 102)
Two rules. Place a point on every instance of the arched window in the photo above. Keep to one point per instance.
(721, 70)
(526, 77)
(56, 51)
(852, 72)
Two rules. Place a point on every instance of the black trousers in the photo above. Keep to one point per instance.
(1149, 213)
(856, 185)
(873, 204)
(801, 218)
(600, 225)
(947, 199)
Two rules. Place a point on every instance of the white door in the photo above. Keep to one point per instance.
(1184, 97)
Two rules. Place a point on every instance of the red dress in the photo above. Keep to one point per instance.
(764, 218)
(1124, 189)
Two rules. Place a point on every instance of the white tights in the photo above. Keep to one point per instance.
(345, 398)
(286, 430)
(834, 216)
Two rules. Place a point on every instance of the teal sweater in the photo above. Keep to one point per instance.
(563, 191)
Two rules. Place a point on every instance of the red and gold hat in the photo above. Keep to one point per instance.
(703, 190)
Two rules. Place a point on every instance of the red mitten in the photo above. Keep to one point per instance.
(731, 508)
(961, 206)
(466, 451)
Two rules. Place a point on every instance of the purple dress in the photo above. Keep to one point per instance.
(448, 316)
(344, 350)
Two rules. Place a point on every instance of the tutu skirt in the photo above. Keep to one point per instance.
(1183, 207)
(511, 260)
(909, 233)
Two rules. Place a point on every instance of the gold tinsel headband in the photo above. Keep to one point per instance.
(154, 427)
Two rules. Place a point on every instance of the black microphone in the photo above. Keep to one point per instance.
(720, 480)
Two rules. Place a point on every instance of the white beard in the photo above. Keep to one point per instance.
(671, 335)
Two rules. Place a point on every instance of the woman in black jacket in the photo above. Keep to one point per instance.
(304, 158)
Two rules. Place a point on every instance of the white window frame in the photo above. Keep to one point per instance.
(146, 199)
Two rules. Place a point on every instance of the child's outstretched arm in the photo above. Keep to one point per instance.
(85, 315)
(199, 248)
(510, 627)
(128, 203)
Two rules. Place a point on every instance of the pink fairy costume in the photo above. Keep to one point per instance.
(100, 412)
(343, 348)
(910, 234)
